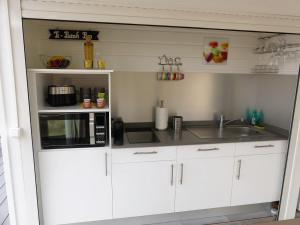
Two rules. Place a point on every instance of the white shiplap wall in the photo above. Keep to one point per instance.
(136, 48)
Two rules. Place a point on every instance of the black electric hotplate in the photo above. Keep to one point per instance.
(141, 135)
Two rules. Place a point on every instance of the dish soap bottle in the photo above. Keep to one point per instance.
(254, 117)
(260, 117)
(88, 52)
(248, 116)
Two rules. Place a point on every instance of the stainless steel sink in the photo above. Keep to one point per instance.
(226, 132)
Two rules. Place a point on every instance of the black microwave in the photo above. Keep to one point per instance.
(72, 130)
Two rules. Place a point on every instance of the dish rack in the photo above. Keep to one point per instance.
(170, 74)
(273, 51)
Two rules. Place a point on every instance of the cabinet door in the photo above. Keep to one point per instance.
(204, 183)
(75, 186)
(143, 188)
(257, 179)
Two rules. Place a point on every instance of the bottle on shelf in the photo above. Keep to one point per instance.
(88, 52)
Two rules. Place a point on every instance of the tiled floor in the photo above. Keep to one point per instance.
(234, 216)
(206, 221)
(214, 221)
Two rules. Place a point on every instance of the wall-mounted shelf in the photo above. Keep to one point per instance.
(73, 108)
(69, 71)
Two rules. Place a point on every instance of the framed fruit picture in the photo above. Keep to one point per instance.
(215, 50)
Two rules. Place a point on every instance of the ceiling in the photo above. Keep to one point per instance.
(281, 7)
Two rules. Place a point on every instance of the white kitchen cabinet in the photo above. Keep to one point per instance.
(257, 178)
(143, 188)
(204, 183)
(75, 185)
(204, 177)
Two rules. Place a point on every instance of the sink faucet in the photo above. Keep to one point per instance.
(222, 123)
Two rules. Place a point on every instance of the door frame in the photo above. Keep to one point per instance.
(18, 149)
(15, 117)
(5, 155)
(291, 185)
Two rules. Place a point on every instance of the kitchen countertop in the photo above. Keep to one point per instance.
(169, 138)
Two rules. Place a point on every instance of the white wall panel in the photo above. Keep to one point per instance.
(134, 96)
(276, 96)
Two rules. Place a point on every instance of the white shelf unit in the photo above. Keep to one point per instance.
(69, 71)
(73, 108)
(38, 81)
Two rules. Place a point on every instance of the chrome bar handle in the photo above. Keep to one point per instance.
(145, 153)
(92, 128)
(106, 156)
(263, 146)
(207, 149)
(239, 169)
(181, 177)
(172, 175)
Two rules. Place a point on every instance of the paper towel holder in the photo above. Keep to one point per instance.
(161, 116)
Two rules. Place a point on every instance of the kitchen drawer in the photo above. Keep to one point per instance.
(147, 154)
(261, 147)
(205, 151)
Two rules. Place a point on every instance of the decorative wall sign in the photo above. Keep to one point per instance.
(72, 34)
(215, 50)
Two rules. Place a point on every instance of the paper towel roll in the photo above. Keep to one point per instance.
(161, 118)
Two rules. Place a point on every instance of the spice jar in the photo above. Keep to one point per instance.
(85, 97)
(87, 103)
(101, 101)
